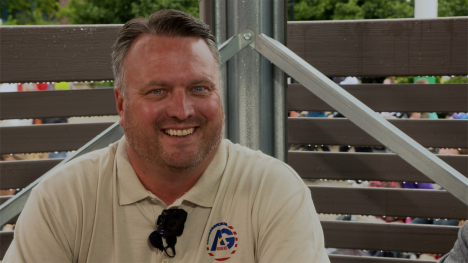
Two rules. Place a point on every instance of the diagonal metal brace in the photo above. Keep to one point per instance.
(364, 117)
(15, 205)
(235, 44)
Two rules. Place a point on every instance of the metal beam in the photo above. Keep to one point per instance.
(363, 116)
(235, 44)
(256, 92)
(15, 205)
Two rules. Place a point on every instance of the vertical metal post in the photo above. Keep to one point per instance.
(280, 116)
(256, 94)
(425, 8)
(213, 13)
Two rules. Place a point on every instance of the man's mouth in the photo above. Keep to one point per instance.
(179, 133)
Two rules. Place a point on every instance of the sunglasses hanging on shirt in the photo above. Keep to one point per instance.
(170, 225)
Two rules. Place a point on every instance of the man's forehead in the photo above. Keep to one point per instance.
(154, 43)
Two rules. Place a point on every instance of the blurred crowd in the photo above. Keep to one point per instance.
(413, 185)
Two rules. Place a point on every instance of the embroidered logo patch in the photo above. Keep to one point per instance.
(222, 242)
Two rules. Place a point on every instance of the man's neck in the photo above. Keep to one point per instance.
(167, 183)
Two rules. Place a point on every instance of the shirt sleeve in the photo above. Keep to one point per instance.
(459, 252)
(39, 236)
(290, 230)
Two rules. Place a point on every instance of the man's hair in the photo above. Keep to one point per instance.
(167, 23)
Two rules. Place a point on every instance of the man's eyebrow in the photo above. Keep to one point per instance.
(158, 83)
(162, 83)
(198, 81)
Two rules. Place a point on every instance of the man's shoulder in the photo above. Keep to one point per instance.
(259, 166)
(82, 172)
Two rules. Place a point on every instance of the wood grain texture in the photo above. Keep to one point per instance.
(388, 202)
(389, 98)
(57, 104)
(19, 174)
(336, 48)
(358, 259)
(391, 47)
(48, 137)
(56, 53)
(390, 237)
(341, 131)
(364, 166)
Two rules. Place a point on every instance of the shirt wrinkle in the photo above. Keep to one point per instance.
(46, 202)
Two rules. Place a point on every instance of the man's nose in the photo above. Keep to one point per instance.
(180, 106)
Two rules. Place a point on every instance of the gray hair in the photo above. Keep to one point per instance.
(168, 23)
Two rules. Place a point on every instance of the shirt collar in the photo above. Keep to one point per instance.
(203, 193)
(131, 190)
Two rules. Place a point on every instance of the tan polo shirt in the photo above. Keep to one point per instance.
(246, 207)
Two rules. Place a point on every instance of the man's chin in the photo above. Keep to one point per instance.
(182, 160)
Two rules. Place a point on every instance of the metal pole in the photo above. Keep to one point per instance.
(256, 105)
(425, 8)
(280, 115)
(291, 10)
(213, 13)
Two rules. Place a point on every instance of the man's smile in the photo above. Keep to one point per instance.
(180, 133)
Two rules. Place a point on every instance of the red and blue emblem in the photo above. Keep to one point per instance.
(222, 242)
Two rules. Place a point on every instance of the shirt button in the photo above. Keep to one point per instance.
(154, 200)
(165, 260)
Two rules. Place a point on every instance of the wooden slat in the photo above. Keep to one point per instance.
(19, 174)
(390, 98)
(390, 237)
(364, 166)
(371, 236)
(391, 47)
(5, 240)
(336, 48)
(341, 131)
(48, 137)
(57, 104)
(357, 259)
(56, 53)
(413, 97)
(309, 165)
(388, 202)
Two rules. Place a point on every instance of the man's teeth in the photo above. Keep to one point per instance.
(179, 133)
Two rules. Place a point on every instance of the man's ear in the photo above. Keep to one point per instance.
(119, 101)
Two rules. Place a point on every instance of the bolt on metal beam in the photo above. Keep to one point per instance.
(235, 44)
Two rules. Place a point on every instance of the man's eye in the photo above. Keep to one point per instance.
(157, 91)
(199, 89)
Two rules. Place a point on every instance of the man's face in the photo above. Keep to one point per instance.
(171, 112)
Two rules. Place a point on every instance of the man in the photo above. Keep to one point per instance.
(242, 205)
(459, 252)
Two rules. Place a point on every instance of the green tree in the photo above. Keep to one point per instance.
(120, 11)
(27, 12)
(352, 9)
(448, 8)
(370, 9)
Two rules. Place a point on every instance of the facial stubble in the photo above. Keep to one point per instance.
(149, 146)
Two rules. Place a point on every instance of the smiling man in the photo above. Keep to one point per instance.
(171, 190)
